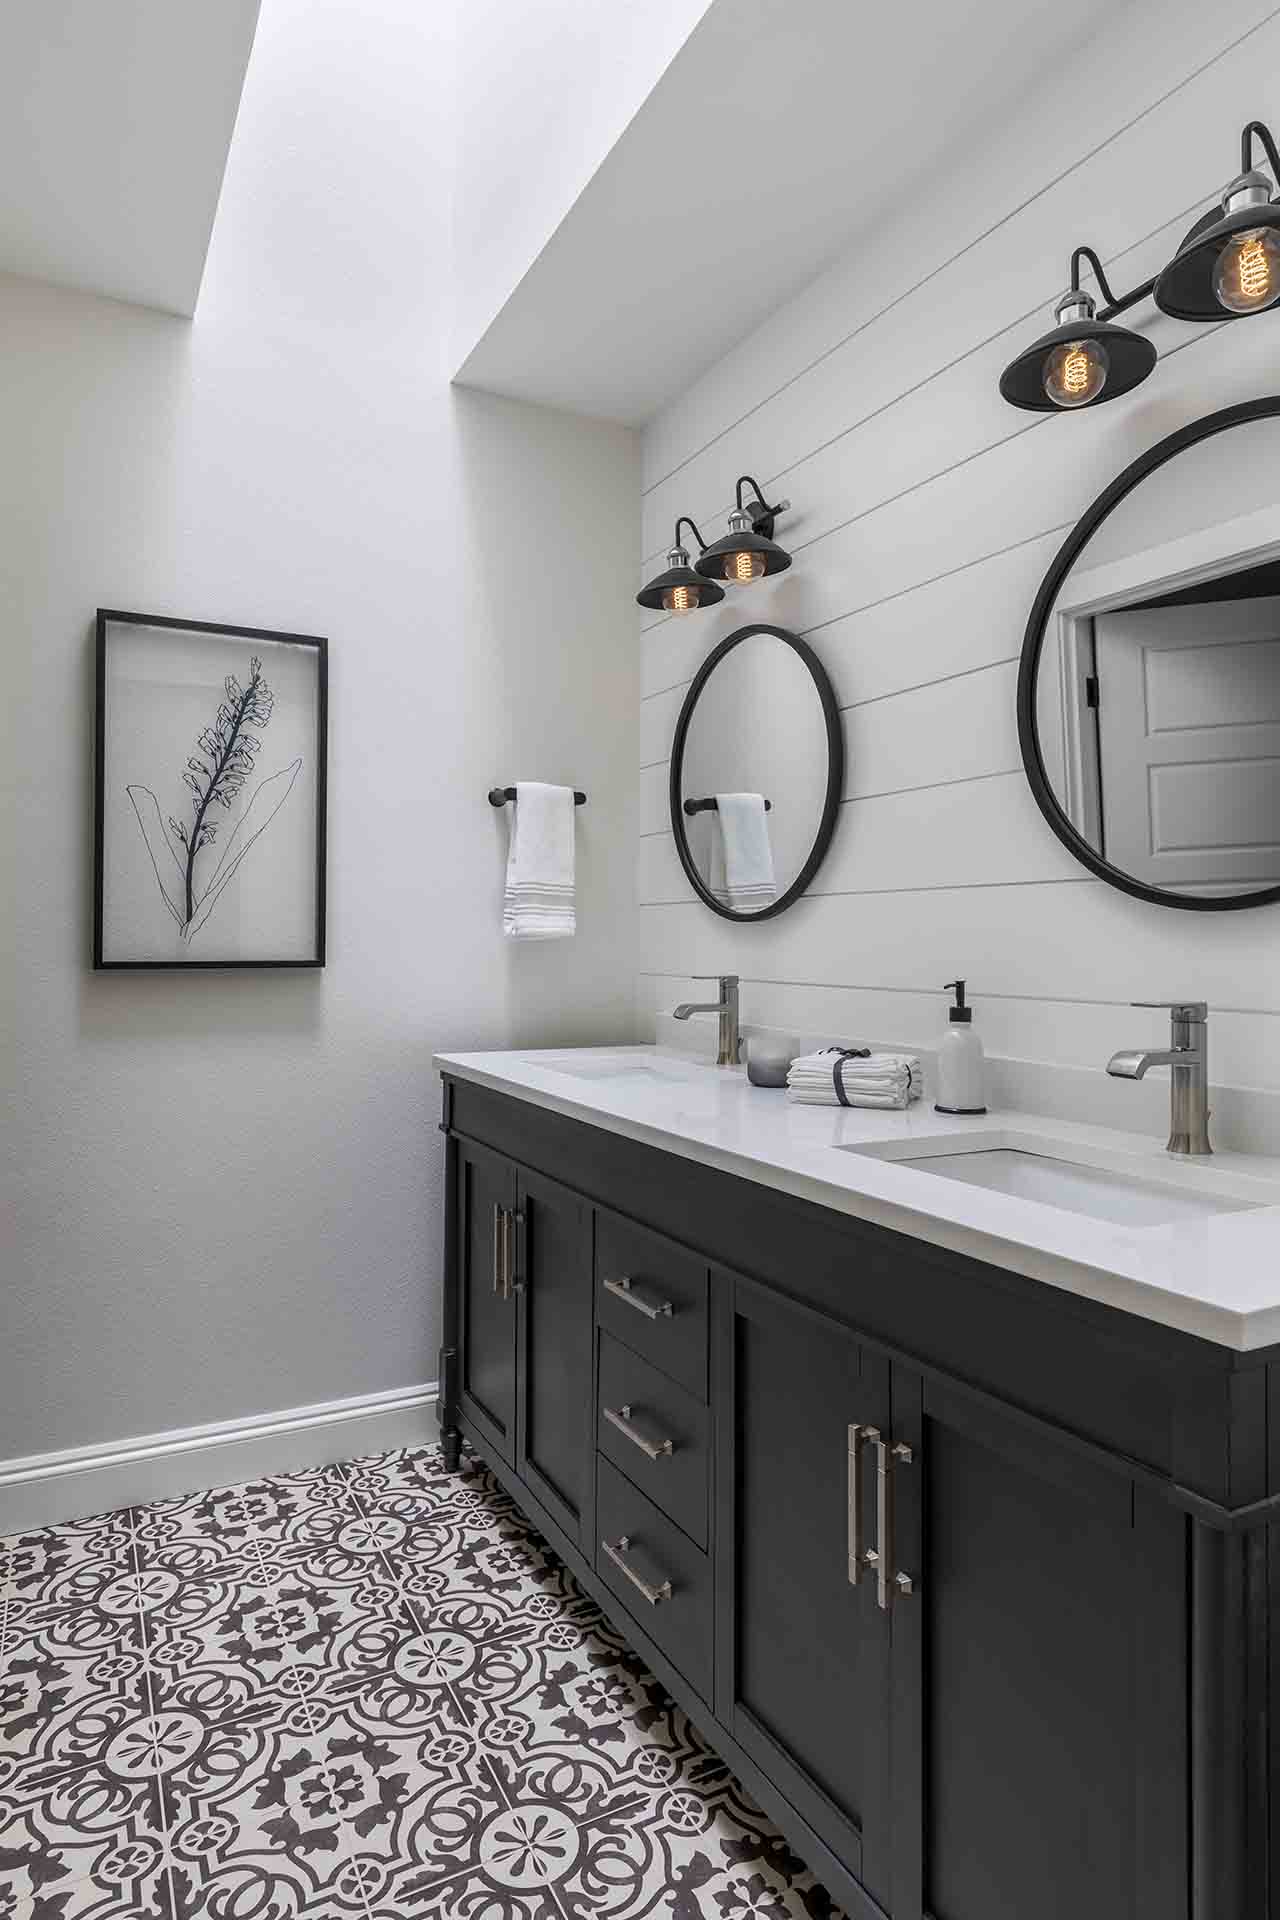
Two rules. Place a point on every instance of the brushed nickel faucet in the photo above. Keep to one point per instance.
(727, 1007)
(1188, 1056)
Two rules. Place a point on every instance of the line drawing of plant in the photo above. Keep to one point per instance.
(224, 757)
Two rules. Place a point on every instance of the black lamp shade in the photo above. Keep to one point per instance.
(710, 564)
(1185, 288)
(1130, 359)
(683, 576)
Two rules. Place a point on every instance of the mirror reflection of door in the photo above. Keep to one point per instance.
(1186, 693)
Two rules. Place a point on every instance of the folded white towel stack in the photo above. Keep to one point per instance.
(855, 1077)
(742, 875)
(538, 904)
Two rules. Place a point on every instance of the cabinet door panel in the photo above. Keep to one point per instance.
(1052, 1591)
(487, 1320)
(802, 1654)
(556, 1433)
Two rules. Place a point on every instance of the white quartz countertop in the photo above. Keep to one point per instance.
(1217, 1276)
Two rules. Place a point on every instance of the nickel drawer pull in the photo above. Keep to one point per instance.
(500, 1251)
(859, 1558)
(622, 1289)
(889, 1583)
(620, 1417)
(617, 1553)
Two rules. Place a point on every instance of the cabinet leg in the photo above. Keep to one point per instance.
(450, 1433)
(451, 1448)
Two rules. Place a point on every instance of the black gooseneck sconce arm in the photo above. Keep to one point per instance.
(1116, 303)
(763, 515)
(1227, 267)
(1258, 130)
(685, 521)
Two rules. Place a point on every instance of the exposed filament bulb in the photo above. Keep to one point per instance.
(743, 567)
(680, 599)
(1247, 276)
(1076, 372)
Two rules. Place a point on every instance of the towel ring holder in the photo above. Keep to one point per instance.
(683, 806)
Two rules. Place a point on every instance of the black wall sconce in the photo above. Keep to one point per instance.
(1226, 268)
(748, 552)
(679, 589)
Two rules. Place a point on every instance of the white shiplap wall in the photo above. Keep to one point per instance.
(925, 514)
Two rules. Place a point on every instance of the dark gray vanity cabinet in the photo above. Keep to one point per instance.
(1040, 1673)
(802, 1652)
(552, 1287)
(523, 1326)
(972, 1582)
(484, 1204)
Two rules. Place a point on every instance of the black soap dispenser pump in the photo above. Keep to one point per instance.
(961, 1074)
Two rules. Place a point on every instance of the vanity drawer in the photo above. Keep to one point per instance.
(652, 1296)
(656, 1434)
(658, 1574)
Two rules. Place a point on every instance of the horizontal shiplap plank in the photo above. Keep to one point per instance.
(930, 627)
(978, 833)
(1040, 478)
(1245, 1046)
(1058, 940)
(1132, 142)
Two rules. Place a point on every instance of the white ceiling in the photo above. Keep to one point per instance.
(774, 135)
(115, 120)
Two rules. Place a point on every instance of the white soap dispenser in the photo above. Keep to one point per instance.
(961, 1087)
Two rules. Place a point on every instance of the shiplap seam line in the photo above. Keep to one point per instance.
(928, 886)
(943, 473)
(987, 234)
(929, 993)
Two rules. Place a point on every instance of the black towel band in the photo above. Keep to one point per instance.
(837, 1072)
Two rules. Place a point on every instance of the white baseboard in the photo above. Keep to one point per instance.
(44, 1488)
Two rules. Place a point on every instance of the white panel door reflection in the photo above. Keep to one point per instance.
(1188, 717)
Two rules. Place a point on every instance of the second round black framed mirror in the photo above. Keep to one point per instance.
(1149, 681)
(757, 773)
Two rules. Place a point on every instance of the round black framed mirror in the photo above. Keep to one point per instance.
(1149, 682)
(757, 771)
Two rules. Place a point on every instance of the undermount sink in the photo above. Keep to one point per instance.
(619, 1063)
(1079, 1179)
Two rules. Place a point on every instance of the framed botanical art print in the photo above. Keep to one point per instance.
(209, 795)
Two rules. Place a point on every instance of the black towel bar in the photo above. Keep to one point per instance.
(499, 796)
(713, 806)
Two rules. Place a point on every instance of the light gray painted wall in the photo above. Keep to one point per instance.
(227, 1189)
(926, 512)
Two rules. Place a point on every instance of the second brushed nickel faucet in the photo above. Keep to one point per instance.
(1187, 1055)
(727, 1007)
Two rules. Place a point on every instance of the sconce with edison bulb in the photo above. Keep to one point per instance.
(678, 589)
(1228, 266)
(1083, 359)
(748, 552)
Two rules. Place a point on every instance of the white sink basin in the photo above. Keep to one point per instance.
(618, 1063)
(1115, 1187)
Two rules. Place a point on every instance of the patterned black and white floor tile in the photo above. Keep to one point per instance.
(365, 1690)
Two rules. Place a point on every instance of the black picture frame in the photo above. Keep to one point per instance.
(111, 616)
(1073, 546)
(835, 772)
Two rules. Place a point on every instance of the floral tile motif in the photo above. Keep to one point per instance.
(366, 1690)
(42, 1565)
(65, 1689)
(90, 1842)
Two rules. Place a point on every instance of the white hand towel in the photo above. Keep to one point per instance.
(748, 882)
(847, 1077)
(538, 904)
